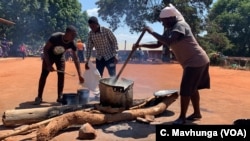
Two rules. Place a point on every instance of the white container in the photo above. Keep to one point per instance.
(91, 77)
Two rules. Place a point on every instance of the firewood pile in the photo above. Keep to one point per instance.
(46, 122)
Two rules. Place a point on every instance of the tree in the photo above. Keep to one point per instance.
(36, 20)
(233, 19)
(215, 41)
(137, 13)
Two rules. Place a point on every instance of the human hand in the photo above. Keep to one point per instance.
(116, 59)
(148, 29)
(50, 68)
(135, 46)
(86, 66)
(81, 79)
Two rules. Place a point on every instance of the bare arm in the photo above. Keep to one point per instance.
(151, 46)
(173, 37)
(46, 56)
(176, 36)
(77, 65)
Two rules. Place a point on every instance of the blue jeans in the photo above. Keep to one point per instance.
(80, 54)
(109, 64)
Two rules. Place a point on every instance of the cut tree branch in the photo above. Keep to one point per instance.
(82, 117)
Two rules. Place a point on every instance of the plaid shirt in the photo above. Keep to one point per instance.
(105, 44)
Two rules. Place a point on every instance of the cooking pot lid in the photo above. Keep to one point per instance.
(165, 92)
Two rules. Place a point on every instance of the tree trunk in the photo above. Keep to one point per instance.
(82, 117)
(27, 116)
(25, 128)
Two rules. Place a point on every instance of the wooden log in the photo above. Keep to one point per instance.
(16, 117)
(23, 129)
(143, 104)
(81, 117)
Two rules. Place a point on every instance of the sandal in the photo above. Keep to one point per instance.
(179, 121)
(194, 117)
(60, 99)
(38, 101)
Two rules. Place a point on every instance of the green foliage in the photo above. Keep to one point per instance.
(136, 14)
(216, 42)
(216, 58)
(36, 20)
(232, 18)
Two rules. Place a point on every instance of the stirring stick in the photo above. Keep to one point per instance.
(131, 53)
(65, 72)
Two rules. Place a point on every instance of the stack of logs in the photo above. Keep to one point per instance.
(47, 122)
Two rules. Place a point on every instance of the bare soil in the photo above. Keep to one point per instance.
(226, 101)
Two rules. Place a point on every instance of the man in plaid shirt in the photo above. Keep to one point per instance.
(106, 46)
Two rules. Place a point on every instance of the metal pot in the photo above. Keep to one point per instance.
(79, 98)
(119, 94)
(83, 96)
(70, 99)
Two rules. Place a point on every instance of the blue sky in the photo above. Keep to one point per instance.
(122, 33)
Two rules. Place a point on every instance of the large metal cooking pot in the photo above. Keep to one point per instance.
(118, 94)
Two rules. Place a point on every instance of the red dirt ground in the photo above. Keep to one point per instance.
(226, 101)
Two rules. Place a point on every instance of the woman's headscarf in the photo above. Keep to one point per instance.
(171, 11)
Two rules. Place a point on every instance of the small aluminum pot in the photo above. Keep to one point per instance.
(70, 99)
(83, 96)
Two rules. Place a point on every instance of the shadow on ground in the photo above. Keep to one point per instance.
(30, 104)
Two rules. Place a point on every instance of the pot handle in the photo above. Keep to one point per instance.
(118, 89)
